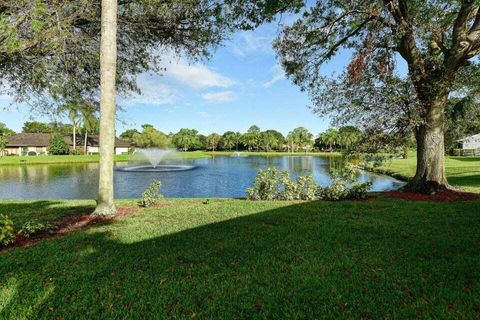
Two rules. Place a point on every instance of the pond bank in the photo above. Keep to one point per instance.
(463, 172)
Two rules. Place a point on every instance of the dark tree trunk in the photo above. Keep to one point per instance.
(430, 175)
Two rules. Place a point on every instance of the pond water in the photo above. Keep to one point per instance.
(220, 176)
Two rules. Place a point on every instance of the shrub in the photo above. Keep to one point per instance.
(359, 191)
(6, 230)
(272, 184)
(307, 189)
(34, 227)
(57, 145)
(334, 192)
(151, 195)
(266, 185)
(290, 188)
(76, 152)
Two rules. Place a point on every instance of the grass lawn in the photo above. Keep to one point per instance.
(461, 171)
(236, 259)
(275, 153)
(15, 160)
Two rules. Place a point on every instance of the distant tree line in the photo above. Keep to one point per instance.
(298, 140)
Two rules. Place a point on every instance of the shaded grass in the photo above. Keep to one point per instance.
(235, 259)
(462, 172)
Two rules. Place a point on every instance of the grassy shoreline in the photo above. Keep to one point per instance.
(463, 172)
(26, 160)
(382, 258)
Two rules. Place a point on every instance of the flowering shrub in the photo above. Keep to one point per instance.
(272, 184)
(151, 195)
(266, 185)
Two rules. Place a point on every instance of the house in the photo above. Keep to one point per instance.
(471, 143)
(37, 144)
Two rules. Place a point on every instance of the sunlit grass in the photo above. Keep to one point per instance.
(463, 172)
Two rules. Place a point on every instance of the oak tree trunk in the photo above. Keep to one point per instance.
(430, 174)
(108, 59)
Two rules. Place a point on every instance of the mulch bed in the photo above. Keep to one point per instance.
(442, 196)
(68, 224)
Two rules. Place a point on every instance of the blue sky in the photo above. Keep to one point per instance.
(240, 85)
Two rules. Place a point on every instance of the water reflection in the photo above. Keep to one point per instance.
(213, 177)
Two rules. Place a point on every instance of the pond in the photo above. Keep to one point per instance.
(220, 176)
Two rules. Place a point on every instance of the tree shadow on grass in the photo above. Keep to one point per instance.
(465, 181)
(466, 159)
(305, 261)
(23, 211)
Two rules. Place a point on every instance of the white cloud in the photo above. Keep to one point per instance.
(222, 96)
(203, 114)
(153, 92)
(278, 75)
(253, 42)
(196, 76)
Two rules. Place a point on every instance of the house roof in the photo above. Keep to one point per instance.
(469, 137)
(43, 139)
(29, 140)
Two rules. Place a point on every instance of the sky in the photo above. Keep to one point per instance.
(241, 85)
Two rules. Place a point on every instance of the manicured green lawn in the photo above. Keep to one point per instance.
(461, 171)
(275, 153)
(13, 160)
(235, 259)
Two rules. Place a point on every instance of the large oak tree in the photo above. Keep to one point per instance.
(438, 40)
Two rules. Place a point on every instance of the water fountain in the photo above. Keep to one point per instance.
(154, 156)
(238, 154)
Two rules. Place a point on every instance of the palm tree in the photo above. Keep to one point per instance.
(331, 138)
(89, 122)
(72, 109)
(185, 138)
(250, 140)
(268, 140)
(238, 137)
(213, 140)
(228, 140)
(108, 66)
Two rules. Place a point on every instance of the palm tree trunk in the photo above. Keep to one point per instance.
(74, 137)
(108, 65)
(85, 142)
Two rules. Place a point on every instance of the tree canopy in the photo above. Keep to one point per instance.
(438, 40)
(49, 51)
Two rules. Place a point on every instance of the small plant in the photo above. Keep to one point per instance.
(33, 227)
(7, 235)
(151, 195)
(76, 152)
